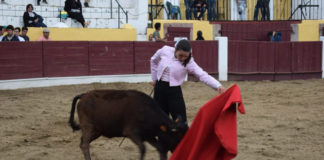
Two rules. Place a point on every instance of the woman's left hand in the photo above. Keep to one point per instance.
(221, 89)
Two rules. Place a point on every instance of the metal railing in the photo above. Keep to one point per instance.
(119, 7)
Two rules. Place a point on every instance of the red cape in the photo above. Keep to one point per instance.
(212, 135)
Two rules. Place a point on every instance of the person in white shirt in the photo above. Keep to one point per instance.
(17, 32)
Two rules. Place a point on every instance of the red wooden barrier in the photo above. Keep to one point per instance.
(143, 51)
(242, 60)
(65, 59)
(205, 54)
(20, 60)
(178, 32)
(306, 59)
(255, 30)
(107, 58)
(247, 60)
(274, 61)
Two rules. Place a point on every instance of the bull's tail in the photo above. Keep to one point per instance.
(73, 125)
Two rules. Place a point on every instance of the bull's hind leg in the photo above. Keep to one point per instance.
(88, 135)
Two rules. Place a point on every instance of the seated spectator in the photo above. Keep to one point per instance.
(45, 37)
(274, 36)
(10, 36)
(156, 33)
(38, 2)
(74, 9)
(199, 6)
(24, 34)
(199, 35)
(16, 32)
(31, 19)
(2, 30)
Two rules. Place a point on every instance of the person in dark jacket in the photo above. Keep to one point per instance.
(24, 34)
(10, 36)
(31, 19)
(200, 36)
(74, 9)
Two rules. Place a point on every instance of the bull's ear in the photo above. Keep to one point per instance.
(163, 128)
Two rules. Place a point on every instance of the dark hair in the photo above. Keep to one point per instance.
(17, 28)
(157, 25)
(25, 28)
(28, 5)
(1, 27)
(10, 27)
(184, 45)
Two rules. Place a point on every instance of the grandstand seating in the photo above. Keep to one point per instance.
(100, 14)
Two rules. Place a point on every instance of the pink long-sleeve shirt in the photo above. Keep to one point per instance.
(164, 57)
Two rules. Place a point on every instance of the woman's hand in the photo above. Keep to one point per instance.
(221, 89)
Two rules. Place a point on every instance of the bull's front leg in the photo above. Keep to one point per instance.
(163, 152)
(139, 142)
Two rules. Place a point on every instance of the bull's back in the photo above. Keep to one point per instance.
(112, 111)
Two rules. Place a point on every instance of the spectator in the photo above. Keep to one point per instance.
(241, 8)
(86, 3)
(265, 11)
(45, 37)
(24, 34)
(188, 4)
(1, 32)
(151, 37)
(16, 32)
(200, 36)
(10, 36)
(44, 1)
(199, 6)
(74, 9)
(275, 36)
(3, 2)
(31, 19)
(156, 34)
(211, 10)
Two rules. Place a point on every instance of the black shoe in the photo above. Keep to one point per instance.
(86, 4)
(44, 1)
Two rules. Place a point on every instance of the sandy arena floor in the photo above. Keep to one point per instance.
(284, 120)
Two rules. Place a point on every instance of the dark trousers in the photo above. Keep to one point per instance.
(188, 4)
(77, 16)
(170, 99)
(211, 10)
(265, 10)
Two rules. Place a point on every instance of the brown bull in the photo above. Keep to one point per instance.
(125, 113)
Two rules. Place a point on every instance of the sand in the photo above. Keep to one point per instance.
(283, 120)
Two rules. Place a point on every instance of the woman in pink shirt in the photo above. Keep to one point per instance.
(169, 68)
